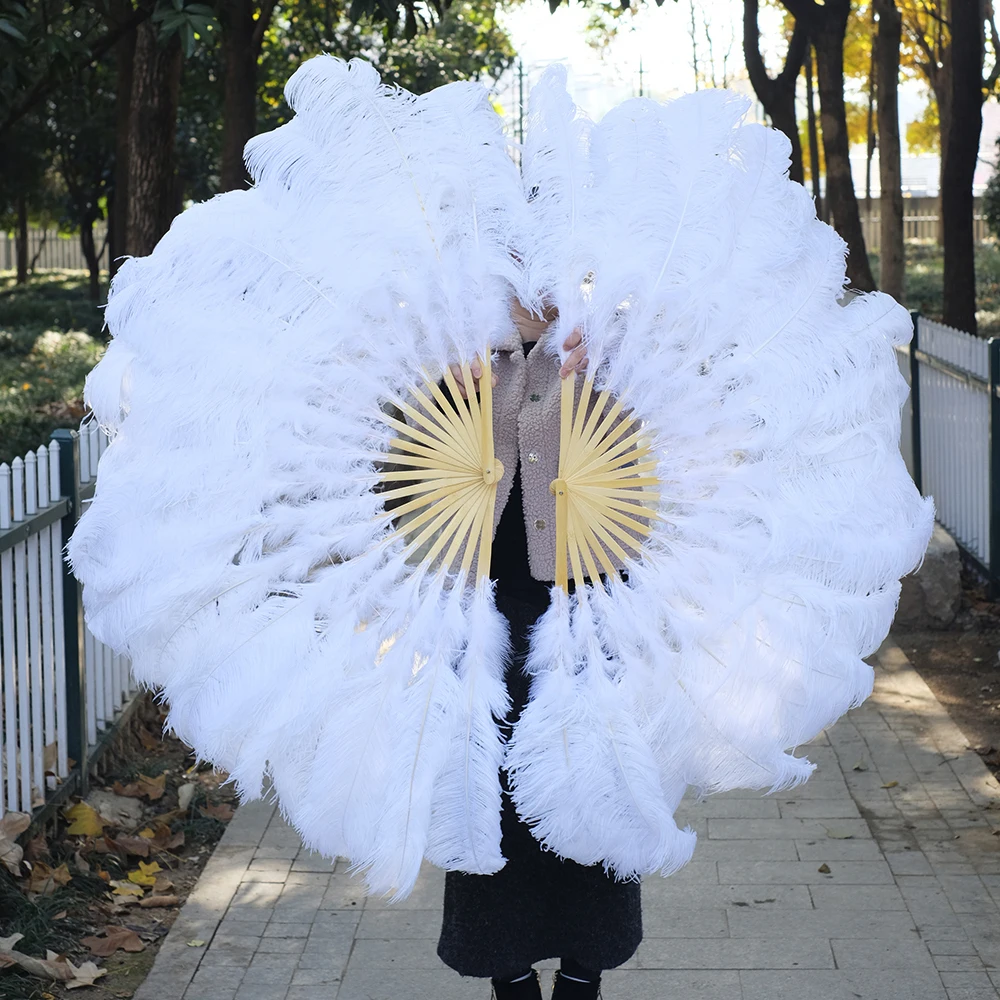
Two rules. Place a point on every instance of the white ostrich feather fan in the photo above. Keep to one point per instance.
(756, 496)
(291, 530)
(238, 548)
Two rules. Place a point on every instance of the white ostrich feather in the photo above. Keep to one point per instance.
(235, 539)
(787, 516)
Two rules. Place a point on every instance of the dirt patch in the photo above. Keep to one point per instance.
(961, 666)
(105, 882)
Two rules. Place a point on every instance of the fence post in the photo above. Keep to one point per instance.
(918, 468)
(73, 624)
(994, 470)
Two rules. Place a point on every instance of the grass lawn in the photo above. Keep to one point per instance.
(50, 337)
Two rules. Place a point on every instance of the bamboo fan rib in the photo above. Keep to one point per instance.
(448, 471)
(605, 491)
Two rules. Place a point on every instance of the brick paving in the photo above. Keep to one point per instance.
(879, 879)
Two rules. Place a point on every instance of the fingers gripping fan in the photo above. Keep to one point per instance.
(290, 532)
(763, 414)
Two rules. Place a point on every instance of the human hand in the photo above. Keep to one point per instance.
(577, 360)
(477, 373)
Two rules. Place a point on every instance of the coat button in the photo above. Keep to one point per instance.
(540, 524)
(532, 456)
(534, 397)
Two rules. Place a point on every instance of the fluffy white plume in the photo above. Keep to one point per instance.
(235, 548)
(786, 516)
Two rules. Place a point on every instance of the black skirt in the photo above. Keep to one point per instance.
(537, 906)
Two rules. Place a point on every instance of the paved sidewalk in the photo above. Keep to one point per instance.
(877, 880)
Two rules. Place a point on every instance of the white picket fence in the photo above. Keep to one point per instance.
(41, 701)
(948, 447)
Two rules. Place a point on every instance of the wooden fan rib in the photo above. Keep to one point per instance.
(432, 518)
(423, 475)
(602, 531)
(594, 545)
(589, 438)
(444, 430)
(473, 401)
(452, 407)
(639, 495)
(626, 450)
(579, 420)
(464, 417)
(609, 418)
(611, 511)
(453, 421)
(608, 525)
(573, 545)
(578, 532)
(398, 445)
(457, 529)
(486, 537)
(431, 440)
(426, 497)
(418, 462)
(565, 421)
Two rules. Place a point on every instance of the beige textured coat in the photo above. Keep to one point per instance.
(526, 426)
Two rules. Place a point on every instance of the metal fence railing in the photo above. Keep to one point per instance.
(61, 691)
(951, 434)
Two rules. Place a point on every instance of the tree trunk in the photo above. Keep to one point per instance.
(156, 79)
(828, 41)
(239, 117)
(118, 201)
(90, 255)
(870, 134)
(813, 137)
(777, 95)
(21, 240)
(892, 256)
(967, 45)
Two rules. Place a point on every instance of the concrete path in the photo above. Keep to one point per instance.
(877, 880)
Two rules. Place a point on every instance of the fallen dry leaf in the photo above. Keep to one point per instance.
(53, 966)
(159, 901)
(824, 869)
(162, 884)
(45, 880)
(839, 834)
(85, 821)
(144, 874)
(153, 788)
(49, 757)
(115, 938)
(223, 812)
(147, 739)
(84, 975)
(185, 794)
(860, 766)
(12, 825)
(890, 784)
(130, 845)
(123, 888)
(37, 847)
(196, 943)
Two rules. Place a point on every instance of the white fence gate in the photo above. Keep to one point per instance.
(951, 433)
(62, 690)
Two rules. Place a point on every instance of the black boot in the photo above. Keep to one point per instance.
(523, 989)
(564, 988)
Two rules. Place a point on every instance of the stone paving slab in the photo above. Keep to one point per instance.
(879, 879)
